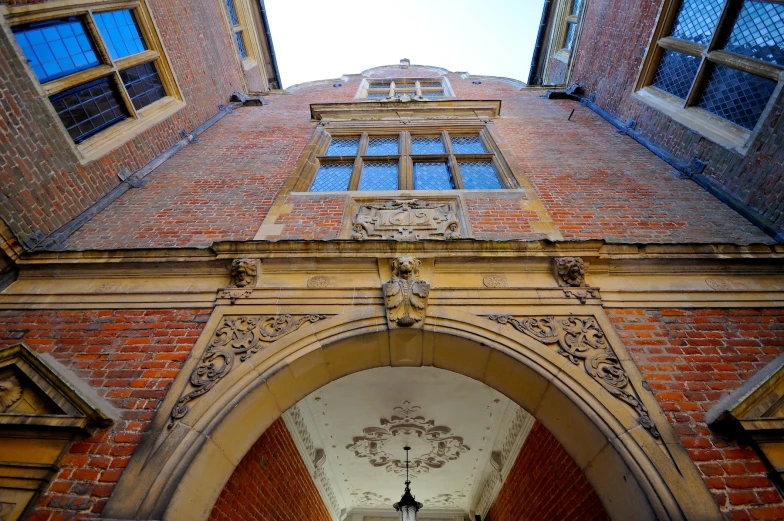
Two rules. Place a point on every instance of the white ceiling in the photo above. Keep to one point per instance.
(362, 422)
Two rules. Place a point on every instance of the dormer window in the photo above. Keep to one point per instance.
(397, 88)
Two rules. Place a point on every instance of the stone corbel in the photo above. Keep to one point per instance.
(406, 294)
(244, 275)
(570, 274)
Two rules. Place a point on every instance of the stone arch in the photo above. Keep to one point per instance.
(178, 472)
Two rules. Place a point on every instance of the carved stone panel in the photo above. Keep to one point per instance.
(407, 220)
(405, 294)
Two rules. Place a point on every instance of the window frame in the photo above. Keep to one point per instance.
(246, 28)
(686, 112)
(371, 84)
(138, 120)
(405, 158)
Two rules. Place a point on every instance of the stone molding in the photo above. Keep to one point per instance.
(406, 219)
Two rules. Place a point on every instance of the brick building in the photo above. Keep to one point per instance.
(223, 300)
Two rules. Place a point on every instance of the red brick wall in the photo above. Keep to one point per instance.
(545, 484)
(613, 41)
(42, 183)
(691, 359)
(271, 483)
(130, 357)
(594, 182)
(557, 72)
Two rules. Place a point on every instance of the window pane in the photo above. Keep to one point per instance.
(89, 108)
(430, 84)
(378, 176)
(676, 73)
(406, 85)
(332, 177)
(467, 145)
(380, 85)
(399, 93)
(759, 32)
(736, 95)
(232, 12)
(478, 175)
(382, 146)
(143, 84)
(56, 48)
(343, 147)
(569, 41)
(241, 45)
(432, 176)
(697, 20)
(576, 7)
(378, 94)
(432, 93)
(120, 33)
(427, 145)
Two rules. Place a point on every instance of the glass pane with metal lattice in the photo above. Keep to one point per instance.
(382, 146)
(736, 95)
(427, 145)
(697, 20)
(432, 93)
(241, 45)
(676, 73)
(378, 176)
(332, 177)
(56, 48)
(343, 147)
(120, 33)
(89, 108)
(759, 32)
(400, 93)
(467, 145)
(380, 85)
(432, 176)
(406, 85)
(377, 94)
(143, 84)
(430, 84)
(569, 41)
(232, 12)
(576, 7)
(478, 175)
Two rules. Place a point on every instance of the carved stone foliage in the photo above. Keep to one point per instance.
(405, 294)
(235, 340)
(581, 340)
(570, 271)
(366, 498)
(444, 446)
(319, 281)
(10, 392)
(243, 273)
(452, 499)
(406, 220)
(494, 281)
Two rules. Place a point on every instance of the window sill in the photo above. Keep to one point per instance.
(248, 64)
(116, 136)
(413, 193)
(702, 122)
(563, 55)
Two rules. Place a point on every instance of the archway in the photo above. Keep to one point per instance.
(181, 466)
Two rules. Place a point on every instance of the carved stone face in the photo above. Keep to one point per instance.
(243, 272)
(572, 271)
(406, 267)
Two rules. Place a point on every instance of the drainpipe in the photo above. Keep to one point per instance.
(269, 42)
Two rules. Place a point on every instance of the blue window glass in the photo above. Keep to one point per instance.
(468, 145)
(241, 45)
(432, 93)
(332, 177)
(377, 94)
(89, 108)
(427, 145)
(382, 146)
(56, 48)
(120, 33)
(697, 20)
(143, 84)
(432, 176)
(378, 176)
(569, 40)
(478, 175)
(676, 73)
(759, 32)
(736, 95)
(232, 12)
(343, 147)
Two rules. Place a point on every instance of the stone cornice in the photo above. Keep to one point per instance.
(373, 110)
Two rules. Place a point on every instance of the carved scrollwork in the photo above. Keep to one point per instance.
(243, 273)
(405, 294)
(444, 446)
(581, 339)
(10, 392)
(236, 339)
(406, 220)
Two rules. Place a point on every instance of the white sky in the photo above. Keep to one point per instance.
(324, 39)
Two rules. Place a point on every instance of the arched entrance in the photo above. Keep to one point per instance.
(194, 443)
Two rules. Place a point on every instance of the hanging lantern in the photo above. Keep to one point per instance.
(408, 505)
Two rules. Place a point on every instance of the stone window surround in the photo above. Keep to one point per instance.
(323, 137)
(712, 127)
(139, 120)
(367, 83)
(247, 27)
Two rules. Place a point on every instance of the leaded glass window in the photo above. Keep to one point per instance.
(395, 89)
(572, 18)
(89, 93)
(420, 160)
(238, 30)
(721, 58)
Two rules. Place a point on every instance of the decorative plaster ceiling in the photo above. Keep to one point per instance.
(351, 435)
